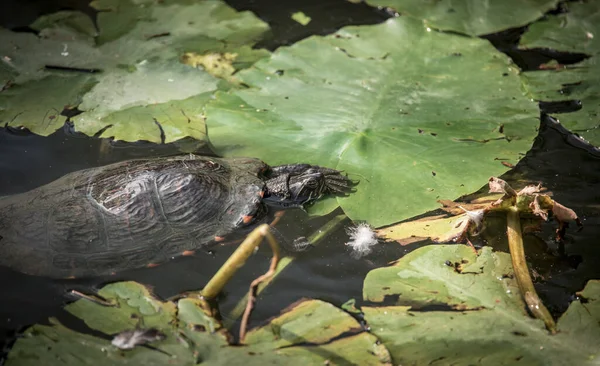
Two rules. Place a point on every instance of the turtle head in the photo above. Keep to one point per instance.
(298, 184)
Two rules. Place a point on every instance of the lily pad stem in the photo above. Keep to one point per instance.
(313, 239)
(237, 260)
(517, 253)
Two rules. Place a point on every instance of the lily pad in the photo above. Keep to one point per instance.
(484, 320)
(310, 320)
(472, 17)
(308, 332)
(119, 96)
(134, 305)
(133, 64)
(59, 345)
(170, 119)
(52, 94)
(578, 30)
(440, 229)
(67, 25)
(413, 115)
(27, 55)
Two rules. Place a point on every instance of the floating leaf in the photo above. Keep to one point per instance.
(471, 17)
(310, 332)
(578, 30)
(424, 276)
(53, 94)
(133, 65)
(485, 321)
(440, 229)
(173, 119)
(67, 25)
(133, 304)
(154, 89)
(413, 115)
(307, 320)
(301, 18)
(59, 345)
(27, 55)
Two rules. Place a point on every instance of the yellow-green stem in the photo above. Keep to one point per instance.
(237, 260)
(313, 239)
(517, 253)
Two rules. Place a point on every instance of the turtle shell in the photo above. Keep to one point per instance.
(127, 215)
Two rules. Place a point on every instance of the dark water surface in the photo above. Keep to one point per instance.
(570, 170)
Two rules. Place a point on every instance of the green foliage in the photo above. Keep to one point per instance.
(413, 115)
(54, 92)
(575, 31)
(128, 78)
(474, 315)
(479, 317)
(308, 332)
(472, 17)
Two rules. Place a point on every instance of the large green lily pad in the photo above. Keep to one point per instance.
(485, 321)
(413, 115)
(575, 31)
(131, 70)
(472, 17)
(309, 332)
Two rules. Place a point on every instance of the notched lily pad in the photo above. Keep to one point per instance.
(446, 274)
(484, 322)
(133, 303)
(53, 94)
(392, 105)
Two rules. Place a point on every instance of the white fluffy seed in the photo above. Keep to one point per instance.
(362, 239)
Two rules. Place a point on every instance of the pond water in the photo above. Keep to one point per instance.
(567, 168)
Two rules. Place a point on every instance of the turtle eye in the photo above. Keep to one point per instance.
(312, 183)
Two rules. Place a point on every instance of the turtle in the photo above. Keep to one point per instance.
(142, 212)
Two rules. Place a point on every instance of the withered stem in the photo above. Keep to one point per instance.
(254, 285)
